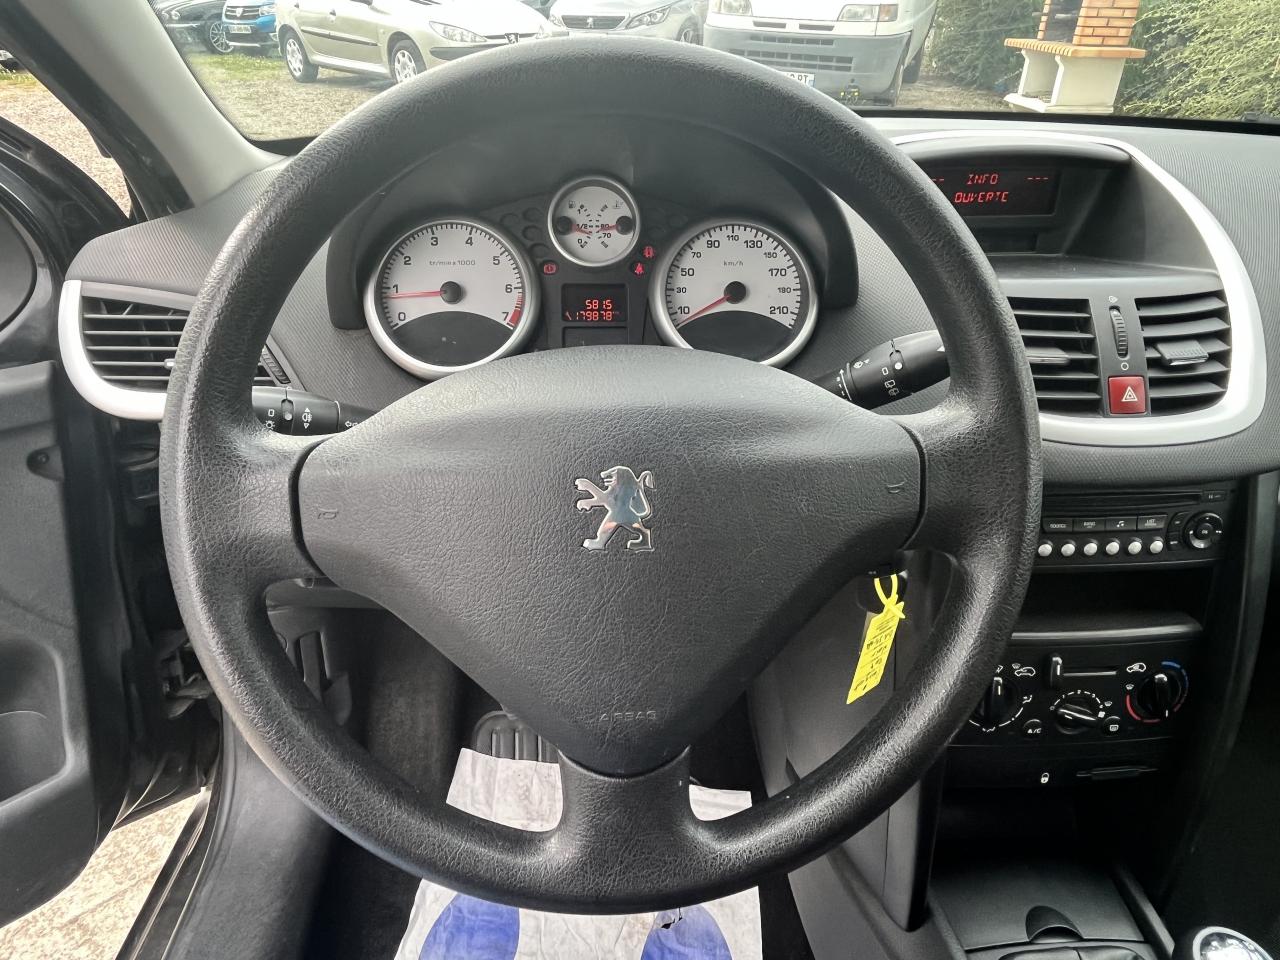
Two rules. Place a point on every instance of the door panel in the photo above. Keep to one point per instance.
(84, 737)
(312, 18)
(355, 32)
(48, 810)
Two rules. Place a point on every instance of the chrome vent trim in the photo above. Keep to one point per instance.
(118, 346)
(1187, 341)
(1063, 353)
(1242, 402)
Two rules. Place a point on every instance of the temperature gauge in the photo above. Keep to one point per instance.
(594, 221)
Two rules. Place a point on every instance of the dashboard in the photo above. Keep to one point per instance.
(599, 231)
(1141, 274)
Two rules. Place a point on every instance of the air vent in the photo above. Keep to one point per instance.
(1062, 350)
(1187, 341)
(132, 345)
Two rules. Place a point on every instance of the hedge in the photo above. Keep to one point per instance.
(1215, 59)
(967, 44)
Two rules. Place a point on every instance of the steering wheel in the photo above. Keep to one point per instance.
(454, 508)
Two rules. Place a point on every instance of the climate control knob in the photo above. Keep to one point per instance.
(1078, 711)
(1160, 695)
(1000, 704)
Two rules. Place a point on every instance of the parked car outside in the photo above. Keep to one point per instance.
(399, 38)
(250, 26)
(851, 51)
(682, 20)
(195, 22)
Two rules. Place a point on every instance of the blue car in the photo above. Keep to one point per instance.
(250, 25)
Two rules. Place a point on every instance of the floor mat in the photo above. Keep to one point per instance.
(526, 794)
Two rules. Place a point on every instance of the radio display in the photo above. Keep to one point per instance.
(594, 303)
(999, 191)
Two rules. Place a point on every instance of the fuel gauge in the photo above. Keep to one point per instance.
(594, 221)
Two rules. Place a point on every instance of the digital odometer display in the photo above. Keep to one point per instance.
(999, 191)
(594, 303)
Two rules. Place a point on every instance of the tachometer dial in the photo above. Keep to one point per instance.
(450, 295)
(738, 288)
(594, 221)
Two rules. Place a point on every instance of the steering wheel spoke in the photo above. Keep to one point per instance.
(970, 486)
(249, 516)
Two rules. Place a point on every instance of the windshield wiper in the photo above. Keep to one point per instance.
(1257, 116)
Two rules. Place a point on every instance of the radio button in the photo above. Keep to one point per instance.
(1090, 548)
(1068, 549)
(1045, 549)
(1157, 546)
(1112, 548)
(1056, 524)
(1122, 523)
(1089, 524)
(1153, 521)
(1134, 547)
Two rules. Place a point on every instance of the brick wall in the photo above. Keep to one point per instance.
(1102, 23)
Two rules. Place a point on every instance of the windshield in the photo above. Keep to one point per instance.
(289, 71)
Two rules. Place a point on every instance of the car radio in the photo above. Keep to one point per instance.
(1103, 529)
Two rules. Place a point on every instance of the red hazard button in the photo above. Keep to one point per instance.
(1127, 394)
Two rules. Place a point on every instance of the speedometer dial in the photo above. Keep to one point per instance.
(450, 295)
(735, 287)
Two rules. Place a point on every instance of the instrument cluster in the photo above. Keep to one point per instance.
(591, 266)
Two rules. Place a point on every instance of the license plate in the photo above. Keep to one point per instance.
(240, 28)
(805, 78)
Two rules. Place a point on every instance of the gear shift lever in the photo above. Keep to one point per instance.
(1218, 943)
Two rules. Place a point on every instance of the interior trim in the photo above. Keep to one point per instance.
(1245, 396)
(107, 397)
(120, 402)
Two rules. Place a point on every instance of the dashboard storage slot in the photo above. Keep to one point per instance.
(1188, 351)
(1062, 350)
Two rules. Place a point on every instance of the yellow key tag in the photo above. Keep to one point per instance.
(878, 642)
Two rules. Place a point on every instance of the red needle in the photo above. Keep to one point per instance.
(414, 293)
(697, 313)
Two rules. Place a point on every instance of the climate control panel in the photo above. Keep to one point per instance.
(1091, 704)
(1104, 530)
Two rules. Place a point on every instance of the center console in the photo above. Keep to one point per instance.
(1100, 677)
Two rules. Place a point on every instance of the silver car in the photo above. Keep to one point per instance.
(398, 38)
(681, 20)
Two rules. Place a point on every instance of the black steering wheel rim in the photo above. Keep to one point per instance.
(239, 504)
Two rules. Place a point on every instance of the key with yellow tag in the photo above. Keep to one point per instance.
(878, 641)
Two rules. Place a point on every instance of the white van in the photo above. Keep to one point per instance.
(850, 51)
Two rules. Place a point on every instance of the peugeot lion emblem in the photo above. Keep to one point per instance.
(625, 502)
